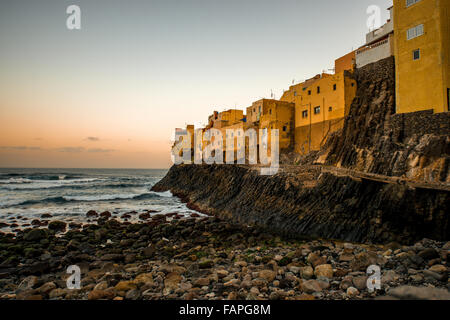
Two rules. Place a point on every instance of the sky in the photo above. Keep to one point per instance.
(110, 94)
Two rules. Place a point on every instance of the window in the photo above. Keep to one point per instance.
(318, 89)
(409, 3)
(334, 87)
(415, 32)
(448, 99)
(353, 84)
(330, 109)
(305, 114)
(270, 111)
(416, 54)
(317, 110)
(309, 92)
(295, 93)
(284, 128)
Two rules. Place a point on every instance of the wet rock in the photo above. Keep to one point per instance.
(57, 293)
(27, 284)
(306, 272)
(112, 257)
(149, 252)
(144, 216)
(35, 234)
(98, 294)
(171, 282)
(310, 286)
(91, 213)
(58, 226)
(429, 254)
(419, 293)
(315, 260)
(365, 259)
(267, 275)
(205, 264)
(324, 270)
(47, 287)
(125, 286)
(360, 282)
(133, 294)
(201, 282)
(35, 222)
(438, 268)
(352, 292)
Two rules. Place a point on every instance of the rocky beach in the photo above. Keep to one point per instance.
(172, 257)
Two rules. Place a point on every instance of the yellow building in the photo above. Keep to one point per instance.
(273, 114)
(227, 118)
(179, 138)
(321, 103)
(347, 62)
(422, 39)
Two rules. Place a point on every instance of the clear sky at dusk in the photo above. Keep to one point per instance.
(110, 95)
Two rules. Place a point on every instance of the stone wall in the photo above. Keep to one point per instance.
(419, 123)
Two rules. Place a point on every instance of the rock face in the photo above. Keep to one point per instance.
(374, 140)
(336, 208)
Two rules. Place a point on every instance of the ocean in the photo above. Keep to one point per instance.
(68, 194)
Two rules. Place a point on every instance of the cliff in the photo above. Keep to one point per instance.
(334, 208)
(376, 140)
(308, 202)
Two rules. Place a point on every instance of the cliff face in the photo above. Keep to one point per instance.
(374, 140)
(335, 208)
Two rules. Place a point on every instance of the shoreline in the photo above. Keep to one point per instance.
(208, 258)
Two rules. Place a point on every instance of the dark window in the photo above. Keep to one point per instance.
(416, 54)
(334, 87)
(353, 84)
(309, 92)
(270, 111)
(318, 89)
(330, 109)
(317, 110)
(448, 99)
(305, 114)
(284, 128)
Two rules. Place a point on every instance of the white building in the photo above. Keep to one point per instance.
(379, 44)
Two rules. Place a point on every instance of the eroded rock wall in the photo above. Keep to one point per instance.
(336, 208)
(376, 140)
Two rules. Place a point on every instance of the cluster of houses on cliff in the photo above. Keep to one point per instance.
(417, 35)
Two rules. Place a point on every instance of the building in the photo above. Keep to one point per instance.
(180, 135)
(269, 114)
(379, 44)
(321, 103)
(347, 62)
(422, 40)
(226, 118)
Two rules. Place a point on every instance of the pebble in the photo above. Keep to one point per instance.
(207, 258)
